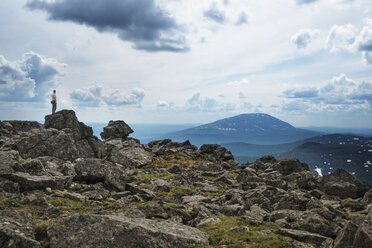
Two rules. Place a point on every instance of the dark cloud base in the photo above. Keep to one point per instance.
(140, 22)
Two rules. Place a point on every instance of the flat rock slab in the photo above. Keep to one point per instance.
(29, 182)
(120, 231)
(304, 236)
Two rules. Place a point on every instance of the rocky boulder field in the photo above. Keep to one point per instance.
(60, 186)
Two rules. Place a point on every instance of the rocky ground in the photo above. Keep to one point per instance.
(62, 187)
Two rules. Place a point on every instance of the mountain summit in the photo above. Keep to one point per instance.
(257, 128)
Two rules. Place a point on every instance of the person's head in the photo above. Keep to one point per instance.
(54, 91)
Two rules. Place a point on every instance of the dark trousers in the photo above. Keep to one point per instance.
(54, 107)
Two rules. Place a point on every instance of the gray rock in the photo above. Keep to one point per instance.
(8, 186)
(67, 119)
(92, 170)
(116, 129)
(145, 194)
(289, 166)
(8, 159)
(125, 152)
(16, 230)
(302, 180)
(15, 127)
(215, 152)
(363, 236)
(294, 201)
(342, 184)
(167, 146)
(54, 143)
(304, 236)
(345, 237)
(29, 182)
(367, 198)
(115, 231)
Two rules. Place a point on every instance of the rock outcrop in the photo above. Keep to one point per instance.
(62, 187)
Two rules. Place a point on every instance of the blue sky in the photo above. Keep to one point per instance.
(307, 62)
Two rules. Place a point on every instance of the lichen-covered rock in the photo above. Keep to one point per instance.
(304, 236)
(29, 182)
(215, 152)
(115, 130)
(126, 152)
(342, 184)
(167, 146)
(345, 238)
(289, 166)
(67, 119)
(363, 236)
(120, 231)
(16, 230)
(92, 170)
(8, 159)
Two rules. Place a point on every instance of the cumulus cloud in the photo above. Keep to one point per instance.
(242, 19)
(118, 98)
(341, 93)
(363, 92)
(28, 79)
(215, 14)
(341, 37)
(304, 37)
(301, 93)
(199, 103)
(367, 57)
(140, 22)
(363, 41)
(95, 95)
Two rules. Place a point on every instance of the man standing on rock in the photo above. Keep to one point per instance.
(54, 102)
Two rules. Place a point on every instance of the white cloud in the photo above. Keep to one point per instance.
(304, 37)
(367, 57)
(341, 37)
(162, 104)
(215, 14)
(28, 79)
(242, 19)
(95, 95)
(364, 40)
(340, 94)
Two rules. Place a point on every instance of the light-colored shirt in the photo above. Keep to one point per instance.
(54, 97)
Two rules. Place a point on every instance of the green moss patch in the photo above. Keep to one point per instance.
(258, 236)
(179, 159)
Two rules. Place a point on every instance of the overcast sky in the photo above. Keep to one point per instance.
(307, 62)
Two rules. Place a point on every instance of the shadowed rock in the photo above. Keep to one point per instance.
(116, 129)
(342, 184)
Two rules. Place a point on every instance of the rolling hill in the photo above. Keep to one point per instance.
(260, 129)
(326, 158)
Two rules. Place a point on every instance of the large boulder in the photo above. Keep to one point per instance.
(49, 142)
(92, 170)
(29, 182)
(16, 230)
(289, 166)
(120, 231)
(67, 119)
(115, 130)
(342, 184)
(215, 152)
(126, 152)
